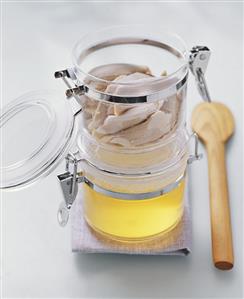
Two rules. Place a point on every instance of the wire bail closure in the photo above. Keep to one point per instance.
(198, 62)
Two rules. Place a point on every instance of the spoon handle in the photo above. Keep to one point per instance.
(222, 247)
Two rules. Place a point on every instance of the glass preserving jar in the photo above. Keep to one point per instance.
(124, 139)
(132, 90)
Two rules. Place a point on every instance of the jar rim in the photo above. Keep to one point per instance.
(145, 170)
(140, 174)
(183, 54)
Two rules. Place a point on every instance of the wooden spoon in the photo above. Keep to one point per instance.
(214, 124)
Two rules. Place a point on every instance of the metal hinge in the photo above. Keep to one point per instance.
(69, 184)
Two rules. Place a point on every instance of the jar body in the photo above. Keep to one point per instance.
(134, 208)
(133, 220)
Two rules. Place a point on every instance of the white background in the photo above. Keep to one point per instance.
(37, 257)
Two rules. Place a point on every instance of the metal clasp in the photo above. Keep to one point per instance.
(69, 184)
(196, 156)
(76, 91)
(198, 62)
(69, 78)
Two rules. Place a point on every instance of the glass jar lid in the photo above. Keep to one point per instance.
(37, 131)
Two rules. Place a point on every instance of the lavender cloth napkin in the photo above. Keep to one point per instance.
(176, 242)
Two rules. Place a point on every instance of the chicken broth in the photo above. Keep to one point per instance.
(130, 220)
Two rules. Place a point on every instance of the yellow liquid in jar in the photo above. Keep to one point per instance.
(133, 219)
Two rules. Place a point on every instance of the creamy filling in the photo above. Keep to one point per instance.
(129, 125)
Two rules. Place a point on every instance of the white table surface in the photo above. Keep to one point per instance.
(37, 258)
